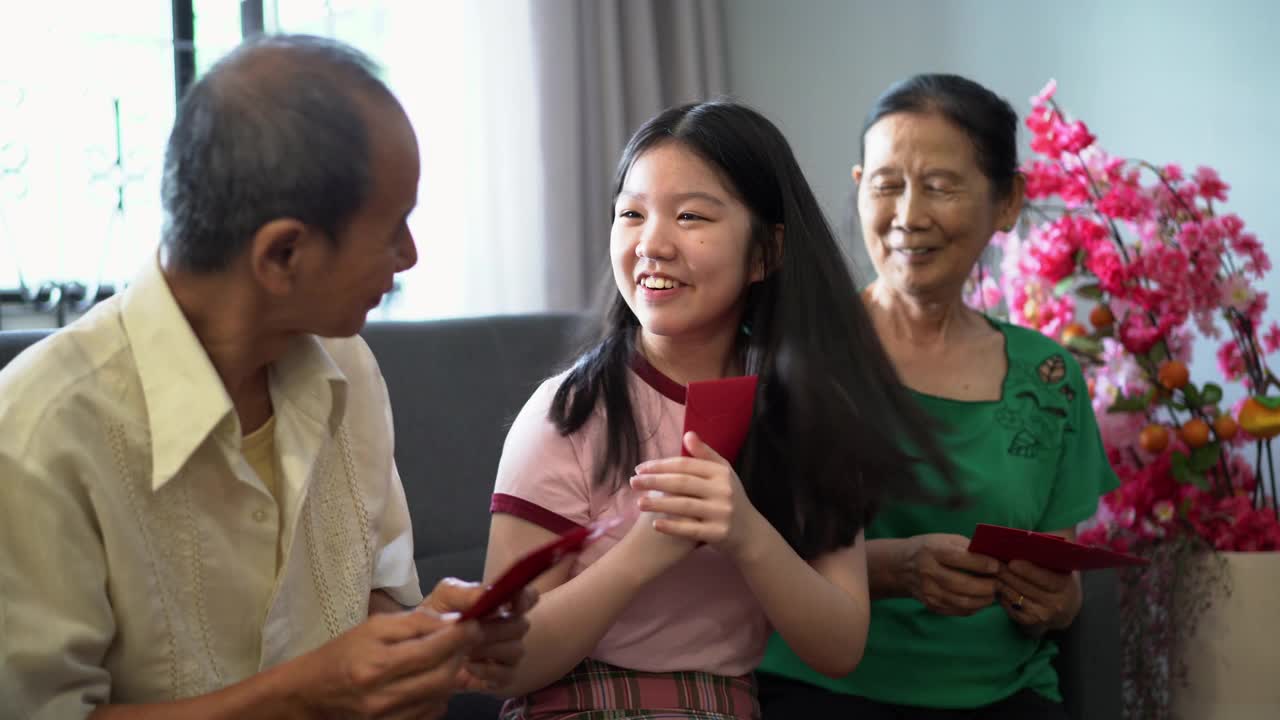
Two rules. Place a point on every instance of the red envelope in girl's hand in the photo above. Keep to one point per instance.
(1051, 552)
(720, 412)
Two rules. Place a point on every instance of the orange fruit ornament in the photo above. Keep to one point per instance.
(1173, 374)
(1225, 427)
(1260, 417)
(1154, 438)
(1101, 317)
(1195, 433)
(1074, 330)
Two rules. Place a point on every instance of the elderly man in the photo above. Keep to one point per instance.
(200, 514)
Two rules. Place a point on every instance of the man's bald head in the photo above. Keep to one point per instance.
(279, 128)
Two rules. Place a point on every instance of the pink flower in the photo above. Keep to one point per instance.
(1163, 511)
(982, 294)
(1052, 261)
(1124, 202)
(1236, 292)
(1206, 323)
(1043, 97)
(1256, 261)
(1210, 186)
(1077, 137)
(1230, 361)
(1139, 335)
(1173, 173)
(1105, 262)
(1231, 224)
(1271, 340)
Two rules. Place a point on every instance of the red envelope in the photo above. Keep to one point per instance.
(720, 412)
(1048, 551)
(529, 567)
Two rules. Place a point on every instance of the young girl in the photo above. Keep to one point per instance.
(724, 266)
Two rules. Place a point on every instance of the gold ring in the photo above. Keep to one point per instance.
(1017, 604)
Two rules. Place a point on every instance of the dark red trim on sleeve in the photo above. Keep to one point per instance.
(534, 513)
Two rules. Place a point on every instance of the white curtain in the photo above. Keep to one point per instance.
(604, 67)
(463, 71)
(522, 108)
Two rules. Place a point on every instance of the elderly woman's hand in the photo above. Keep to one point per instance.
(1037, 598)
(940, 572)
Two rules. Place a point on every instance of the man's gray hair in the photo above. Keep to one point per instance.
(276, 129)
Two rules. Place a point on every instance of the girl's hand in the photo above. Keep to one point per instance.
(699, 498)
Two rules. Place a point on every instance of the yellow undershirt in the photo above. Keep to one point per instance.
(259, 448)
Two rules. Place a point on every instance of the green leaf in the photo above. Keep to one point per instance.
(1199, 481)
(1157, 354)
(1063, 286)
(1178, 466)
(1086, 345)
(1205, 457)
(1132, 404)
(1092, 291)
(1177, 405)
(1211, 395)
(1192, 396)
(1270, 403)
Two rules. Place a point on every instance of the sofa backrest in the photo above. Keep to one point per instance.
(13, 342)
(455, 386)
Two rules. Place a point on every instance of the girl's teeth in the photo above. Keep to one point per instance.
(656, 283)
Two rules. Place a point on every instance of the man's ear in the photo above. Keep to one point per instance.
(277, 254)
(857, 174)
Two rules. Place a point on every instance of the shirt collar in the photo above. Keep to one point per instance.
(185, 399)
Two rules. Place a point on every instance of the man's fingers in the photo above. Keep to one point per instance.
(479, 675)
(420, 654)
(453, 595)
(524, 602)
(495, 632)
(506, 653)
(427, 687)
(406, 625)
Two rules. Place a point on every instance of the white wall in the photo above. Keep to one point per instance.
(1176, 81)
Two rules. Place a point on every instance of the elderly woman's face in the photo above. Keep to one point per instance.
(926, 208)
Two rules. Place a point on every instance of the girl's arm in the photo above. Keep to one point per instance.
(572, 615)
(821, 609)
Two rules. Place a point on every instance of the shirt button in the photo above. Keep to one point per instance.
(260, 515)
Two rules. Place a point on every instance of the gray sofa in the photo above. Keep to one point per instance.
(456, 384)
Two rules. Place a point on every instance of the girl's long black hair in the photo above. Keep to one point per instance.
(834, 430)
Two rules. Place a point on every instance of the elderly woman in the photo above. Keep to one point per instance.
(954, 634)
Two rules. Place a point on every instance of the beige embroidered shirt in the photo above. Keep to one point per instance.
(138, 548)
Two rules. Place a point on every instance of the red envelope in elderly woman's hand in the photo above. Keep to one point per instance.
(1051, 552)
(720, 412)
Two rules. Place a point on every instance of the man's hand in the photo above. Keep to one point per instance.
(491, 663)
(393, 664)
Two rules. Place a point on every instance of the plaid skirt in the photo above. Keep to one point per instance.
(599, 691)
